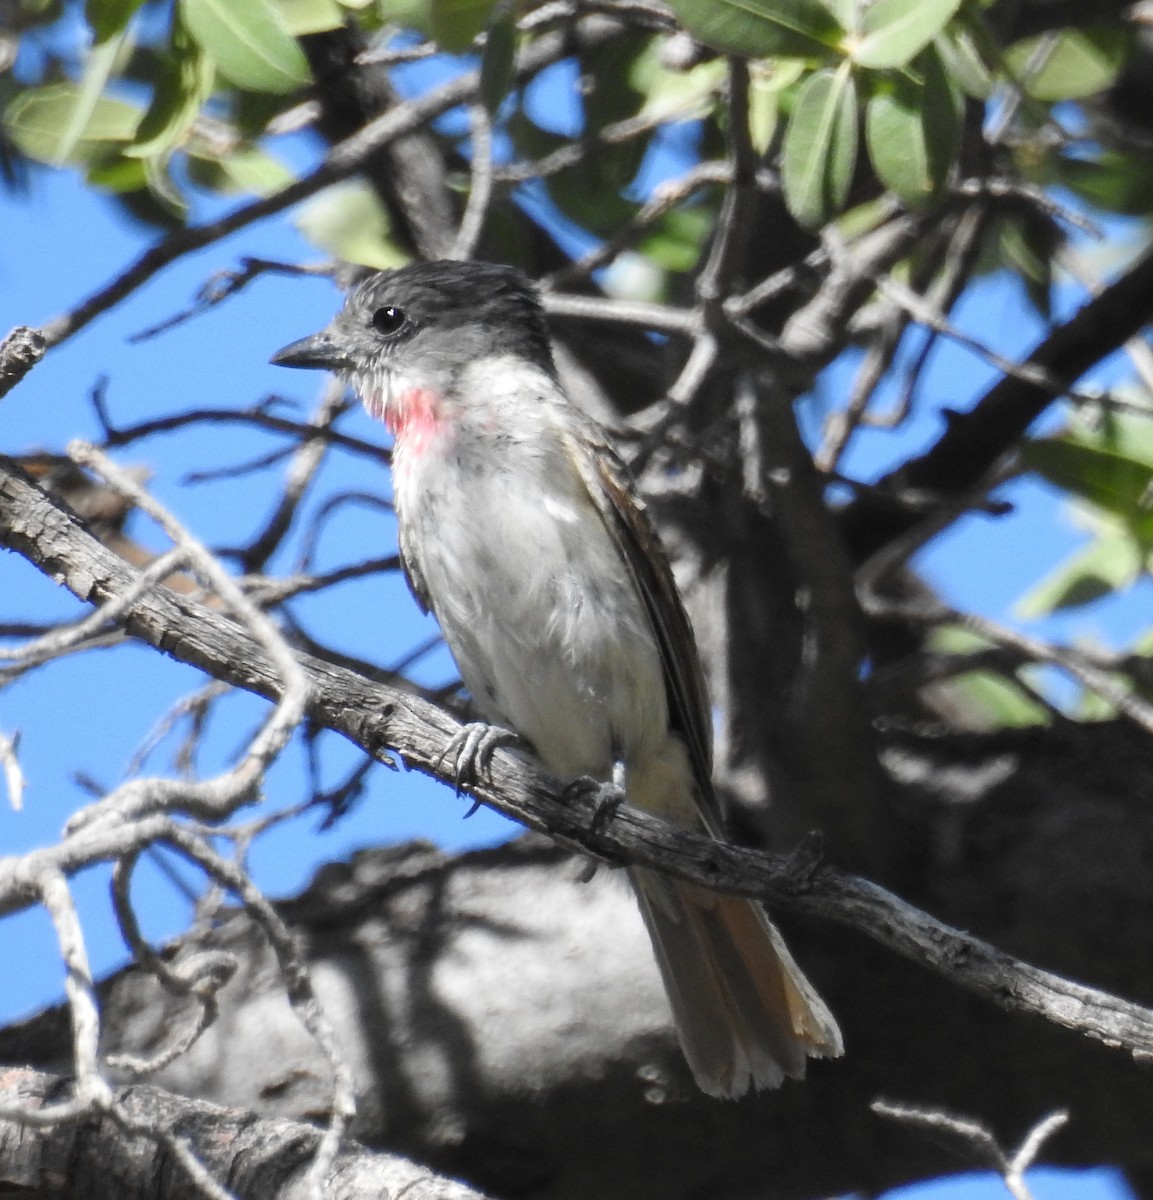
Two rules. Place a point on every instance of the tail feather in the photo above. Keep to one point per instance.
(744, 1012)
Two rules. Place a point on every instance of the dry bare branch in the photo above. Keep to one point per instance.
(377, 717)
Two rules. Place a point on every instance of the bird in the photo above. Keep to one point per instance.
(523, 533)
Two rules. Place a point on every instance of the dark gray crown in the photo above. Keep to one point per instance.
(461, 298)
(435, 317)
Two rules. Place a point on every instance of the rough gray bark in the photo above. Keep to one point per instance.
(259, 1159)
(506, 1023)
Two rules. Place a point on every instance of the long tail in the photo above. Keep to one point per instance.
(744, 1012)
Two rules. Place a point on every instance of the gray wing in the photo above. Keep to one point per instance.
(623, 512)
(411, 568)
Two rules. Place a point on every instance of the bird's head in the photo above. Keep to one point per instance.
(417, 328)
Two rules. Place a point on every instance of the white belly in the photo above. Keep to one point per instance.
(537, 605)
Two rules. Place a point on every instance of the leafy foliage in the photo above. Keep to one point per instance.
(722, 199)
(858, 110)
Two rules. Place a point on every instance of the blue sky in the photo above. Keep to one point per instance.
(59, 243)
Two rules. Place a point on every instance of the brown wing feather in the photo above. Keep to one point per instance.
(610, 488)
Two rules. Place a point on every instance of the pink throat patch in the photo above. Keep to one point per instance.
(413, 417)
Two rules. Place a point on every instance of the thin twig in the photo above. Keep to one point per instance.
(115, 436)
(663, 200)
(222, 794)
(976, 1141)
(480, 190)
(20, 351)
(199, 976)
(223, 285)
(342, 160)
(375, 716)
(63, 637)
(298, 987)
(734, 226)
(1094, 674)
(302, 469)
(38, 878)
(13, 775)
(662, 318)
(616, 133)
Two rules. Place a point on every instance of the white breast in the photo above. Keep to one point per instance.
(534, 599)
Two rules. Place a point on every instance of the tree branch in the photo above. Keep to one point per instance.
(261, 1159)
(344, 159)
(975, 441)
(377, 717)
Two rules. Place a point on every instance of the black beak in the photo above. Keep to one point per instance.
(319, 350)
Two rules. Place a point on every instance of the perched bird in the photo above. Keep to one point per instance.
(522, 532)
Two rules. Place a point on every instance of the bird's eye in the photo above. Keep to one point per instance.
(388, 320)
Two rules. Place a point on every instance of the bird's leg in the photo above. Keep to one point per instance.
(470, 752)
(805, 858)
(606, 797)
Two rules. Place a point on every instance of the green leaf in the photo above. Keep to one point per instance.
(942, 115)
(608, 91)
(253, 170)
(1129, 434)
(679, 95)
(775, 75)
(347, 221)
(820, 149)
(1094, 707)
(98, 69)
(163, 187)
(454, 24)
(408, 14)
(1115, 181)
(1144, 645)
(529, 139)
(846, 12)
(221, 165)
(984, 699)
(894, 32)
(499, 58)
(965, 63)
(1107, 565)
(41, 119)
(109, 17)
(1069, 63)
(250, 113)
(1112, 481)
(767, 80)
(118, 175)
(761, 28)
(185, 82)
(913, 132)
(1028, 244)
(595, 193)
(764, 110)
(989, 701)
(248, 43)
(677, 240)
(299, 17)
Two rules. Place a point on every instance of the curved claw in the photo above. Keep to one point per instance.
(606, 798)
(470, 752)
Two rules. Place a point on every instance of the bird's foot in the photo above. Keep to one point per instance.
(469, 753)
(805, 858)
(606, 798)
